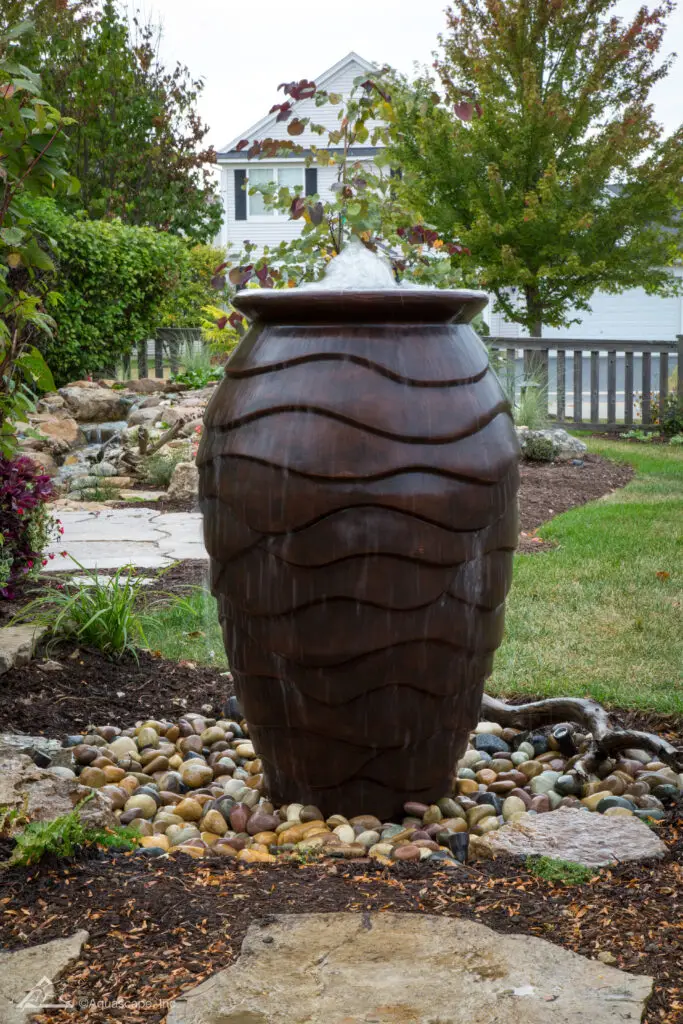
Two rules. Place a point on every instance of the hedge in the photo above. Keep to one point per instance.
(116, 284)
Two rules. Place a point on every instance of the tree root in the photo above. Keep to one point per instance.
(602, 742)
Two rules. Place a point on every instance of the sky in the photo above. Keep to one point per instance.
(243, 49)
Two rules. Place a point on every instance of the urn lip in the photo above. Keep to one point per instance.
(390, 305)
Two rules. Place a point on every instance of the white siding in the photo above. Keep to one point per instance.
(631, 316)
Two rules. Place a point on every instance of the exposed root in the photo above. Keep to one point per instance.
(603, 741)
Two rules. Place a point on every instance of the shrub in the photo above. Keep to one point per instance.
(670, 416)
(158, 469)
(676, 439)
(112, 282)
(537, 448)
(193, 289)
(26, 526)
(97, 612)
(564, 872)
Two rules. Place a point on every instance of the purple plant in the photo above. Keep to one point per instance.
(26, 526)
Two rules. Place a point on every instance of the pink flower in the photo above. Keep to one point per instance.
(51, 555)
(64, 553)
(30, 563)
(20, 511)
(44, 561)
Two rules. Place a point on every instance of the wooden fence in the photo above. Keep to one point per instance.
(540, 353)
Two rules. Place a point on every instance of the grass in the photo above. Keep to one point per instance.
(564, 872)
(601, 615)
(185, 629)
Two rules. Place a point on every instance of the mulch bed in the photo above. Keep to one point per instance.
(548, 489)
(91, 690)
(160, 927)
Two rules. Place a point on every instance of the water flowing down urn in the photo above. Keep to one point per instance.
(358, 478)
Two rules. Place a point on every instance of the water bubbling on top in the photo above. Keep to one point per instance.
(357, 269)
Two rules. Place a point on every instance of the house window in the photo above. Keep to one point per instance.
(284, 177)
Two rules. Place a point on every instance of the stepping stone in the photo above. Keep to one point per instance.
(27, 977)
(388, 968)
(594, 840)
(17, 644)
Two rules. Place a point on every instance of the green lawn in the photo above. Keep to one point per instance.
(593, 617)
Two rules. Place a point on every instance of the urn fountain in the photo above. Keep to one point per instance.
(358, 479)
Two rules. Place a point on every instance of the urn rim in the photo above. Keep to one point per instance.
(401, 306)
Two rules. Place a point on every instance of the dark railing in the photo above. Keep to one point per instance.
(627, 373)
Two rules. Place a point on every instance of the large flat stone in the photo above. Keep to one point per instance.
(27, 977)
(594, 840)
(17, 644)
(407, 969)
(43, 795)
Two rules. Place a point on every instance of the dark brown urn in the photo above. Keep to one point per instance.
(358, 479)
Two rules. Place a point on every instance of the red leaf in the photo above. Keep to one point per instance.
(297, 208)
(221, 267)
(316, 213)
(235, 320)
(241, 144)
(220, 324)
(463, 110)
(218, 281)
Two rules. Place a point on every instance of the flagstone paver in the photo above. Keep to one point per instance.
(112, 538)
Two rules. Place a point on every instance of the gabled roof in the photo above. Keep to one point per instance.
(270, 119)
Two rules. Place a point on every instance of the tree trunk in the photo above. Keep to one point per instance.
(534, 310)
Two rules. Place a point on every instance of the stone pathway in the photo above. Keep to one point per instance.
(112, 538)
(407, 969)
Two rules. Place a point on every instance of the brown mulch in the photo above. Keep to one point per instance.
(91, 690)
(161, 505)
(548, 489)
(160, 927)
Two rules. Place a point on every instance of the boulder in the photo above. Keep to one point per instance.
(145, 385)
(407, 968)
(95, 404)
(43, 794)
(146, 417)
(57, 426)
(43, 460)
(184, 482)
(565, 446)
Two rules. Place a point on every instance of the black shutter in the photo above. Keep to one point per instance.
(240, 195)
(311, 181)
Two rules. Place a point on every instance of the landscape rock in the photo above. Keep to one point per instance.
(184, 482)
(17, 644)
(565, 446)
(594, 840)
(95, 404)
(58, 426)
(406, 968)
(145, 417)
(27, 976)
(43, 794)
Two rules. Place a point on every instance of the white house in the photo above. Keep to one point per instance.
(632, 315)
(246, 216)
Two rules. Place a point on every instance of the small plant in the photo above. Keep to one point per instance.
(644, 436)
(65, 836)
(676, 439)
(96, 613)
(158, 469)
(195, 357)
(564, 872)
(198, 378)
(26, 526)
(537, 448)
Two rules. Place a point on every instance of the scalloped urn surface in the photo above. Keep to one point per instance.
(358, 479)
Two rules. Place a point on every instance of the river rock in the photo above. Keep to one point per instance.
(568, 834)
(388, 967)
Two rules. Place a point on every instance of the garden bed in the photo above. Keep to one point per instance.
(159, 927)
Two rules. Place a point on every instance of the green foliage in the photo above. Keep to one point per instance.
(676, 439)
(537, 145)
(199, 377)
(32, 163)
(100, 613)
(137, 139)
(531, 407)
(563, 872)
(65, 836)
(538, 449)
(646, 436)
(194, 288)
(185, 627)
(670, 415)
(113, 281)
(158, 469)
